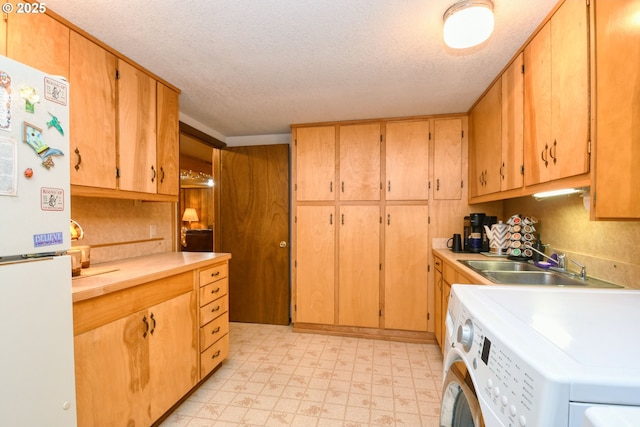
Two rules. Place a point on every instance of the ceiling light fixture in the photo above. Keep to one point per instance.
(468, 23)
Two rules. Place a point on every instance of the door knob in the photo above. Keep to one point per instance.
(283, 244)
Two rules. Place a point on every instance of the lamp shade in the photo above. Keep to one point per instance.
(190, 215)
(468, 23)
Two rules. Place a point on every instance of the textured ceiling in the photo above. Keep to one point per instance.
(248, 67)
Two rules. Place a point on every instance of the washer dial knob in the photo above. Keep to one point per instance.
(465, 335)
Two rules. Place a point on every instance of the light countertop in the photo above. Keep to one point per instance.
(104, 278)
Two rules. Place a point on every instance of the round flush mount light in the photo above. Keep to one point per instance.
(468, 23)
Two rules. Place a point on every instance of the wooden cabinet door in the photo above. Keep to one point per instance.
(40, 41)
(485, 152)
(136, 129)
(112, 375)
(406, 267)
(173, 349)
(92, 147)
(359, 266)
(315, 264)
(557, 97)
(360, 162)
(570, 87)
(617, 147)
(447, 159)
(315, 163)
(407, 161)
(511, 168)
(168, 147)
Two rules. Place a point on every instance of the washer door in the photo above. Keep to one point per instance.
(460, 407)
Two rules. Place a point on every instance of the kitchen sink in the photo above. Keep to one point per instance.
(522, 273)
(491, 265)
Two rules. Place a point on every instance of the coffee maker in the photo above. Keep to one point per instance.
(473, 240)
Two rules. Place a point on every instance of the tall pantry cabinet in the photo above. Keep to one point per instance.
(361, 225)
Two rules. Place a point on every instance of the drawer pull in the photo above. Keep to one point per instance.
(216, 354)
(215, 291)
(215, 331)
(213, 310)
(214, 274)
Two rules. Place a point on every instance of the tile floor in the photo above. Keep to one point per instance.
(275, 377)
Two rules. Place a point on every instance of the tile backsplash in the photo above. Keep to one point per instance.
(117, 229)
(609, 249)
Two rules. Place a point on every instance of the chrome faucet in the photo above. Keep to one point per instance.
(583, 269)
(558, 262)
(561, 262)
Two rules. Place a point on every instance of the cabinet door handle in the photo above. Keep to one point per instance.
(342, 186)
(161, 175)
(438, 184)
(543, 155)
(215, 331)
(215, 273)
(146, 324)
(389, 186)
(331, 187)
(213, 310)
(77, 165)
(215, 291)
(330, 219)
(552, 151)
(153, 177)
(216, 354)
(153, 328)
(502, 171)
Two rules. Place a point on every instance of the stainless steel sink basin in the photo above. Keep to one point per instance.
(493, 265)
(532, 278)
(522, 273)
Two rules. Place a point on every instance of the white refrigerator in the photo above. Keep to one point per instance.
(37, 380)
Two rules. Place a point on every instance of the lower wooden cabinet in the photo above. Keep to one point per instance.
(214, 316)
(131, 370)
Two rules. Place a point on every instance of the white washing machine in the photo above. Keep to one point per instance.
(524, 356)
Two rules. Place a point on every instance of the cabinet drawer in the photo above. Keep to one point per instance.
(214, 355)
(212, 310)
(213, 291)
(214, 273)
(212, 331)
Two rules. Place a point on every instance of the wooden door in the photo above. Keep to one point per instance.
(511, 175)
(254, 217)
(168, 150)
(315, 149)
(360, 162)
(570, 86)
(617, 110)
(112, 375)
(136, 129)
(315, 264)
(92, 106)
(40, 41)
(406, 267)
(447, 159)
(359, 266)
(485, 157)
(537, 104)
(407, 160)
(173, 347)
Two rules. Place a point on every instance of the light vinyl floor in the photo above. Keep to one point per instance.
(276, 377)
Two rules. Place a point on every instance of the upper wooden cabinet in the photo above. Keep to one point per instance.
(617, 55)
(447, 159)
(39, 41)
(92, 114)
(360, 161)
(512, 125)
(136, 129)
(315, 163)
(556, 94)
(407, 160)
(168, 140)
(485, 147)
